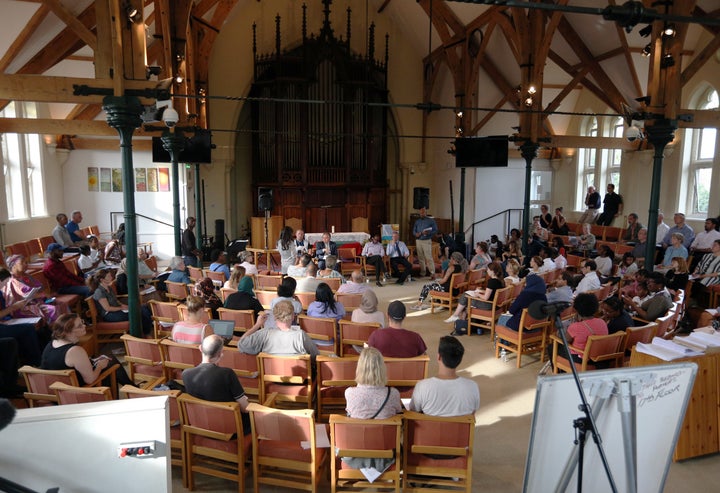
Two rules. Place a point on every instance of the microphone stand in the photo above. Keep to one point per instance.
(586, 423)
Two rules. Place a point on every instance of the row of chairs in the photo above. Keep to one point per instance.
(36, 247)
(603, 233)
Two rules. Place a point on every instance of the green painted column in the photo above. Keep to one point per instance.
(123, 114)
(174, 142)
(198, 211)
(659, 134)
(529, 152)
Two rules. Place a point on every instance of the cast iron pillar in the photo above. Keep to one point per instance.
(198, 214)
(174, 142)
(659, 134)
(529, 152)
(123, 114)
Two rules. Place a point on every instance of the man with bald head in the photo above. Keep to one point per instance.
(356, 284)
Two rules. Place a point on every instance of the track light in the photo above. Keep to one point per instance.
(152, 70)
(459, 113)
(133, 14)
(532, 90)
(647, 50)
(645, 31)
(667, 61)
(668, 31)
(528, 101)
(179, 79)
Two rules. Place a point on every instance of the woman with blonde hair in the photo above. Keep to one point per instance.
(368, 312)
(237, 273)
(192, 330)
(371, 398)
(512, 269)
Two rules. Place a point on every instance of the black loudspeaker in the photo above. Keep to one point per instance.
(265, 199)
(421, 198)
(219, 234)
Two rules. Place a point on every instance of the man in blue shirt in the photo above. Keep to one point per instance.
(74, 226)
(219, 263)
(680, 227)
(424, 229)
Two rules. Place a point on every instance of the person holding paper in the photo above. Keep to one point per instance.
(23, 287)
(28, 344)
(109, 308)
(423, 230)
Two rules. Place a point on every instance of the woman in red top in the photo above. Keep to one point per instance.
(586, 305)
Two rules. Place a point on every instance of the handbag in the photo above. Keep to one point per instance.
(387, 396)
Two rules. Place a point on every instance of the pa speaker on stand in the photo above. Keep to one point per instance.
(421, 198)
(265, 199)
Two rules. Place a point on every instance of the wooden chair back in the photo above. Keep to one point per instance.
(377, 438)
(244, 319)
(265, 297)
(597, 349)
(38, 383)
(334, 375)
(305, 299)
(479, 318)
(598, 231)
(349, 261)
(291, 377)
(246, 368)
(177, 357)
(104, 332)
(530, 338)
(476, 278)
(143, 358)
(666, 324)
(195, 273)
(218, 278)
(132, 392)
(322, 331)
(278, 458)
(349, 301)
(213, 440)
(268, 282)
(45, 242)
(405, 373)
(425, 438)
(176, 291)
(644, 334)
(17, 249)
(621, 249)
(225, 292)
(354, 334)
(333, 282)
(447, 298)
(574, 261)
(69, 394)
(164, 315)
(613, 233)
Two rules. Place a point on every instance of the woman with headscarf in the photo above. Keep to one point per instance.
(22, 286)
(458, 265)
(368, 312)
(205, 288)
(534, 290)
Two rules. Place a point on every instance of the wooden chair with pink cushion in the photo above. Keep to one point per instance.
(305, 298)
(634, 335)
(164, 315)
(376, 438)
(213, 442)
(291, 377)
(38, 383)
(177, 357)
(246, 368)
(177, 291)
(244, 319)
(205, 313)
(598, 349)
(334, 375)
(226, 292)
(268, 282)
(195, 273)
(34, 250)
(530, 339)
(70, 394)
(144, 359)
(218, 278)
(322, 331)
(132, 392)
(285, 448)
(17, 249)
(333, 282)
(437, 452)
(349, 301)
(354, 334)
(265, 297)
(449, 299)
(349, 261)
(405, 373)
(104, 332)
(479, 318)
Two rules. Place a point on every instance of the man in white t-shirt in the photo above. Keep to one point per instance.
(446, 394)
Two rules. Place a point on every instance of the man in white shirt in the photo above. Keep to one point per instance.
(447, 394)
(662, 228)
(301, 244)
(373, 252)
(309, 283)
(703, 241)
(548, 263)
(398, 253)
(590, 280)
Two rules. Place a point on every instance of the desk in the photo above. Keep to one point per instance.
(339, 238)
(258, 252)
(699, 433)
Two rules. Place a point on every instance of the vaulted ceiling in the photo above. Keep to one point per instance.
(492, 54)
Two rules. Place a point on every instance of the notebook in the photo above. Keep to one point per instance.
(223, 328)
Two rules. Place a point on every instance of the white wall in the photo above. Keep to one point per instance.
(74, 447)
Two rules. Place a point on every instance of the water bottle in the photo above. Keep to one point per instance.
(503, 355)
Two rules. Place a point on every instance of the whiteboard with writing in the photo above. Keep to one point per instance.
(638, 413)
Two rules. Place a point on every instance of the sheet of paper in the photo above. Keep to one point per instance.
(370, 473)
(406, 403)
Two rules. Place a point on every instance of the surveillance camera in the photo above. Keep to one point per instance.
(170, 117)
(412, 171)
(633, 133)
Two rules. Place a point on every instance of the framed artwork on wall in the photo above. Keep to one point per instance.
(152, 180)
(140, 183)
(164, 179)
(117, 184)
(93, 180)
(105, 180)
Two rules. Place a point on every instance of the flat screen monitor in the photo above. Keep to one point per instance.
(480, 152)
(198, 149)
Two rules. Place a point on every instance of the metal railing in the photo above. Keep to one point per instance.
(502, 221)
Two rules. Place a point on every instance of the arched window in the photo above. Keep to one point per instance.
(587, 161)
(698, 176)
(612, 170)
(23, 166)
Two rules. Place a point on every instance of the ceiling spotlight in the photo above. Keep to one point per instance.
(132, 13)
(667, 61)
(669, 31)
(528, 101)
(459, 113)
(152, 70)
(179, 79)
(647, 50)
(645, 31)
(531, 89)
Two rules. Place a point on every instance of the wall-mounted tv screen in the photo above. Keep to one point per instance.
(198, 149)
(480, 152)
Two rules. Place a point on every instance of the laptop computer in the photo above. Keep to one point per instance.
(223, 328)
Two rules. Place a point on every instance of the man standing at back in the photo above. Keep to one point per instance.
(190, 252)
(394, 341)
(211, 382)
(424, 229)
(446, 394)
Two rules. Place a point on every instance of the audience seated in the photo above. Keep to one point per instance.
(24, 289)
(458, 265)
(657, 305)
(590, 280)
(676, 249)
(481, 258)
(374, 252)
(395, 341)
(236, 275)
(325, 305)
(368, 313)
(109, 308)
(247, 260)
(592, 206)
(586, 306)
(178, 271)
(62, 280)
(211, 382)
(73, 227)
(300, 268)
(614, 314)
(218, 260)
(495, 281)
(25, 334)
(244, 298)
(703, 241)
(192, 330)
(558, 225)
(676, 277)
(688, 235)
(61, 235)
(535, 289)
(205, 288)
(638, 250)
(280, 338)
(329, 270)
(356, 284)
(563, 289)
(586, 241)
(633, 228)
(324, 248)
(446, 394)
(310, 282)
(512, 269)
(371, 398)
